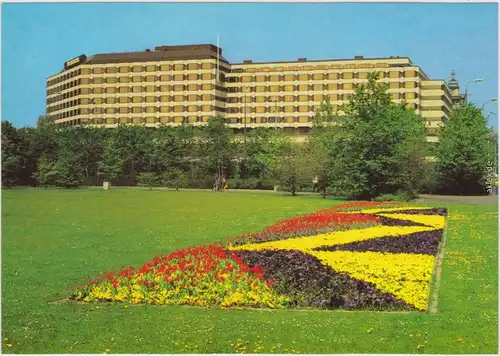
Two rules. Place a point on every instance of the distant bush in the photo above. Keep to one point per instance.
(402, 197)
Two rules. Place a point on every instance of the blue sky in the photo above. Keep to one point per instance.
(38, 38)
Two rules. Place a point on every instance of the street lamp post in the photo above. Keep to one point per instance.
(495, 100)
(477, 80)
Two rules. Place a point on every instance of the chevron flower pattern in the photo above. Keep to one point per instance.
(371, 256)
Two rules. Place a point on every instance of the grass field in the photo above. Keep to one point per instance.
(52, 239)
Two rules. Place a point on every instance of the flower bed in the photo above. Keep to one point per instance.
(362, 255)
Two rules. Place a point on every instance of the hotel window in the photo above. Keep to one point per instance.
(165, 88)
(165, 67)
(98, 90)
(410, 84)
(289, 77)
(111, 70)
(123, 110)
(207, 66)
(179, 66)
(275, 88)
(137, 99)
(178, 98)
(150, 78)
(192, 66)
(246, 79)
(289, 98)
(318, 97)
(178, 87)
(260, 99)
(192, 76)
(394, 74)
(192, 87)
(98, 80)
(304, 98)
(150, 109)
(193, 108)
(98, 70)
(164, 109)
(210, 87)
(394, 85)
(274, 78)
(124, 69)
(410, 96)
(303, 108)
(207, 108)
(124, 99)
(111, 80)
(303, 87)
(348, 86)
(318, 76)
(289, 88)
(137, 69)
(85, 71)
(110, 110)
(124, 89)
(111, 100)
(165, 78)
(151, 99)
(348, 75)
(261, 78)
(261, 89)
(150, 88)
(178, 77)
(207, 76)
(136, 79)
(151, 68)
(317, 87)
(332, 76)
(260, 109)
(207, 97)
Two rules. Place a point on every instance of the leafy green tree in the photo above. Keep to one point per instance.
(376, 148)
(46, 173)
(463, 152)
(215, 149)
(294, 169)
(176, 178)
(11, 155)
(148, 179)
(110, 167)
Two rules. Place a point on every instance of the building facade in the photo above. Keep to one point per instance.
(175, 84)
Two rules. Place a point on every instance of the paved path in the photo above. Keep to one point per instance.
(484, 199)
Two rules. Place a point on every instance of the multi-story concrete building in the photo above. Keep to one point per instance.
(175, 84)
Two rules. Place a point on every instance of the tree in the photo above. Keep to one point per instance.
(175, 179)
(294, 168)
(46, 173)
(376, 147)
(463, 152)
(216, 148)
(148, 179)
(11, 154)
(110, 167)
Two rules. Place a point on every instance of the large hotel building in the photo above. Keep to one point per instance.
(175, 84)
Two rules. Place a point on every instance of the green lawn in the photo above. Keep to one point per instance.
(52, 239)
